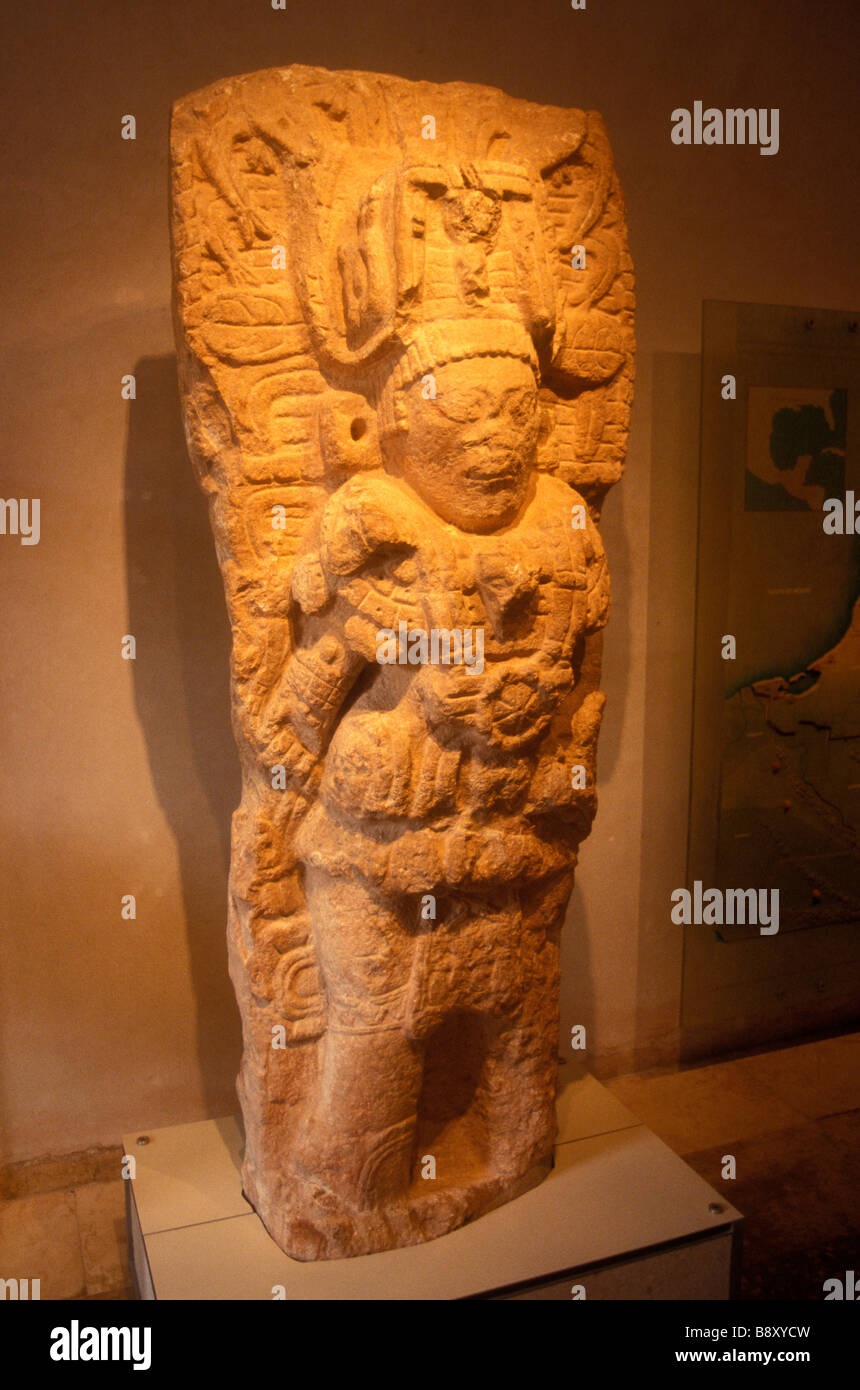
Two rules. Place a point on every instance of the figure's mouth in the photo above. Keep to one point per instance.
(491, 470)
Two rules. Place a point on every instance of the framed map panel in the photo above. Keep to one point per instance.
(775, 788)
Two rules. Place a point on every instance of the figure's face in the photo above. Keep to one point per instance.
(469, 452)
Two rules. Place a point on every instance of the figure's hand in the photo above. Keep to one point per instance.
(585, 724)
(563, 784)
(293, 767)
(280, 751)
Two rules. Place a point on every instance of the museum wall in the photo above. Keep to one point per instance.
(120, 776)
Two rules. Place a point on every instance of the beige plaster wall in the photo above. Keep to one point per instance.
(119, 777)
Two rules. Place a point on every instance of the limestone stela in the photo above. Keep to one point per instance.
(404, 318)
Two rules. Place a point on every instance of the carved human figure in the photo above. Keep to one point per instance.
(443, 840)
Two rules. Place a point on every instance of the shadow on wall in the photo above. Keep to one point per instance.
(182, 693)
(614, 521)
(576, 986)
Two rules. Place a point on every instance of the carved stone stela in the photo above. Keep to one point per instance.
(404, 321)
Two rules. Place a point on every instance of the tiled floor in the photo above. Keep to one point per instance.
(62, 1221)
(790, 1118)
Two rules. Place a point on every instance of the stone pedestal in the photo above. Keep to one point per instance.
(620, 1216)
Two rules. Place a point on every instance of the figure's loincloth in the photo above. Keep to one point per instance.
(386, 969)
(450, 853)
(489, 964)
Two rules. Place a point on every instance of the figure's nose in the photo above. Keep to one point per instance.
(478, 283)
(484, 433)
(491, 430)
(473, 272)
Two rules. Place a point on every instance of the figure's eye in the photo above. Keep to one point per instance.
(463, 407)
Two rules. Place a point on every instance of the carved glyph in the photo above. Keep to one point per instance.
(404, 322)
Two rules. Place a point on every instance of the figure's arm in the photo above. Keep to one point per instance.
(343, 608)
(315, 682)
(563, 782)
(294, 723)
(293, 727)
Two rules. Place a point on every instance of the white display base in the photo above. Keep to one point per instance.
(621, 1215)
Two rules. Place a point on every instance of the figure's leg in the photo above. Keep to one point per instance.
(359, 1135)
(518, 1097)
(521, 1073)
